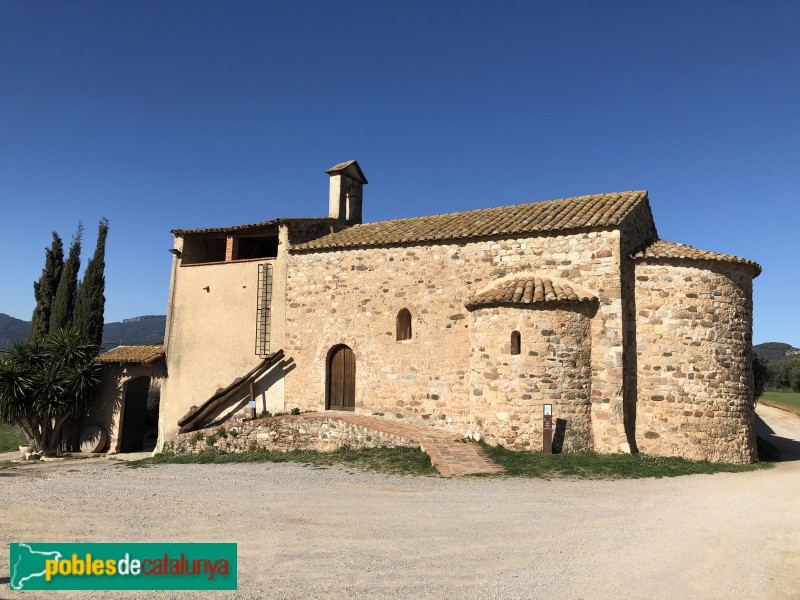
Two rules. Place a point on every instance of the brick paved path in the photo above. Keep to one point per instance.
(451, 453)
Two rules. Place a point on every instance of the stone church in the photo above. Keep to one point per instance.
(470, 322)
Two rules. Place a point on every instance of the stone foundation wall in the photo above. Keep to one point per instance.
(693, 344)
(553, 366)
(286, 433)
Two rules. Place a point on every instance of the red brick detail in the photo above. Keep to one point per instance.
(231, 248)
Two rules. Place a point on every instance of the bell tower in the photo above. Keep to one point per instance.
(346, 192)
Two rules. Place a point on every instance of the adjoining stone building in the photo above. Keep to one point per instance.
(470, 322)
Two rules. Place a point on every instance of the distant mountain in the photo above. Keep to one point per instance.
(775, 350)
(12, 329)
(135, 331)
(148, 329)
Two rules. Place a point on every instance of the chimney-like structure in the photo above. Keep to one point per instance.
(347, 185)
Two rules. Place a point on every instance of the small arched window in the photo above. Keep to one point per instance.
(516, 342)
(403, 325)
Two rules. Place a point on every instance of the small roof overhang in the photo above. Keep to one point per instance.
(349, 168)
(661, 249)
(524, 290)
(137, 355)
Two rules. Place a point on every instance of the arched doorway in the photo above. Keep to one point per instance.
(341, 379)
(135, 418)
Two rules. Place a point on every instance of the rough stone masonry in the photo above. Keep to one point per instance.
(638, 343)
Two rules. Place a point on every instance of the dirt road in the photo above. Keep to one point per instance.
(310, 533)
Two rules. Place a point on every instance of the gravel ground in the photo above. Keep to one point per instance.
(329, 533)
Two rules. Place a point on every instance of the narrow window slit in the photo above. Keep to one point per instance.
(403, 325)
(516, 342)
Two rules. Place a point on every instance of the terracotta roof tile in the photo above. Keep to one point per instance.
(664, 249)
(132, 354)
(600, 210)
(529, 289)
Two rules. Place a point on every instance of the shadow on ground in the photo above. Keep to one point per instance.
(789, 448)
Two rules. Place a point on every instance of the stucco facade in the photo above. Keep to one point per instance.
(130, 384)
(210, 334)
(651, 351)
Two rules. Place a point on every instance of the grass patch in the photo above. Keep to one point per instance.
(399, 461)
(11, 438)
(614, 466)
(786, 400)
(413, 461)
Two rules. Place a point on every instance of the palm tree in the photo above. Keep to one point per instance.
(42, 384)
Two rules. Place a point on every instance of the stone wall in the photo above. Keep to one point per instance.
(553, 366)
(637, 230)
(352, 297)
(693, 343)
(303, 432)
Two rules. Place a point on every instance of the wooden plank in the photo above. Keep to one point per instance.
(337, 378)
(349, 380)
(195, 418)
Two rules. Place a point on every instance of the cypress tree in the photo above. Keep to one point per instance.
(61, 317)
(90, 300)
(44, 290)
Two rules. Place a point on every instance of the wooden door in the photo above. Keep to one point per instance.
(342, 379)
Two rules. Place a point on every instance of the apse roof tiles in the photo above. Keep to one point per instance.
(666, 250)
(530, 289)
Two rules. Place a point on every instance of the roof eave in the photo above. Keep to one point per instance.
(536, 304)
(447, 240)
(739, 262)
(250, 227)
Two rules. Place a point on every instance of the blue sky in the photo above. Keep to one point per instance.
(164, 114)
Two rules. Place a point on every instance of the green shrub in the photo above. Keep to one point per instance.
(295, 411)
